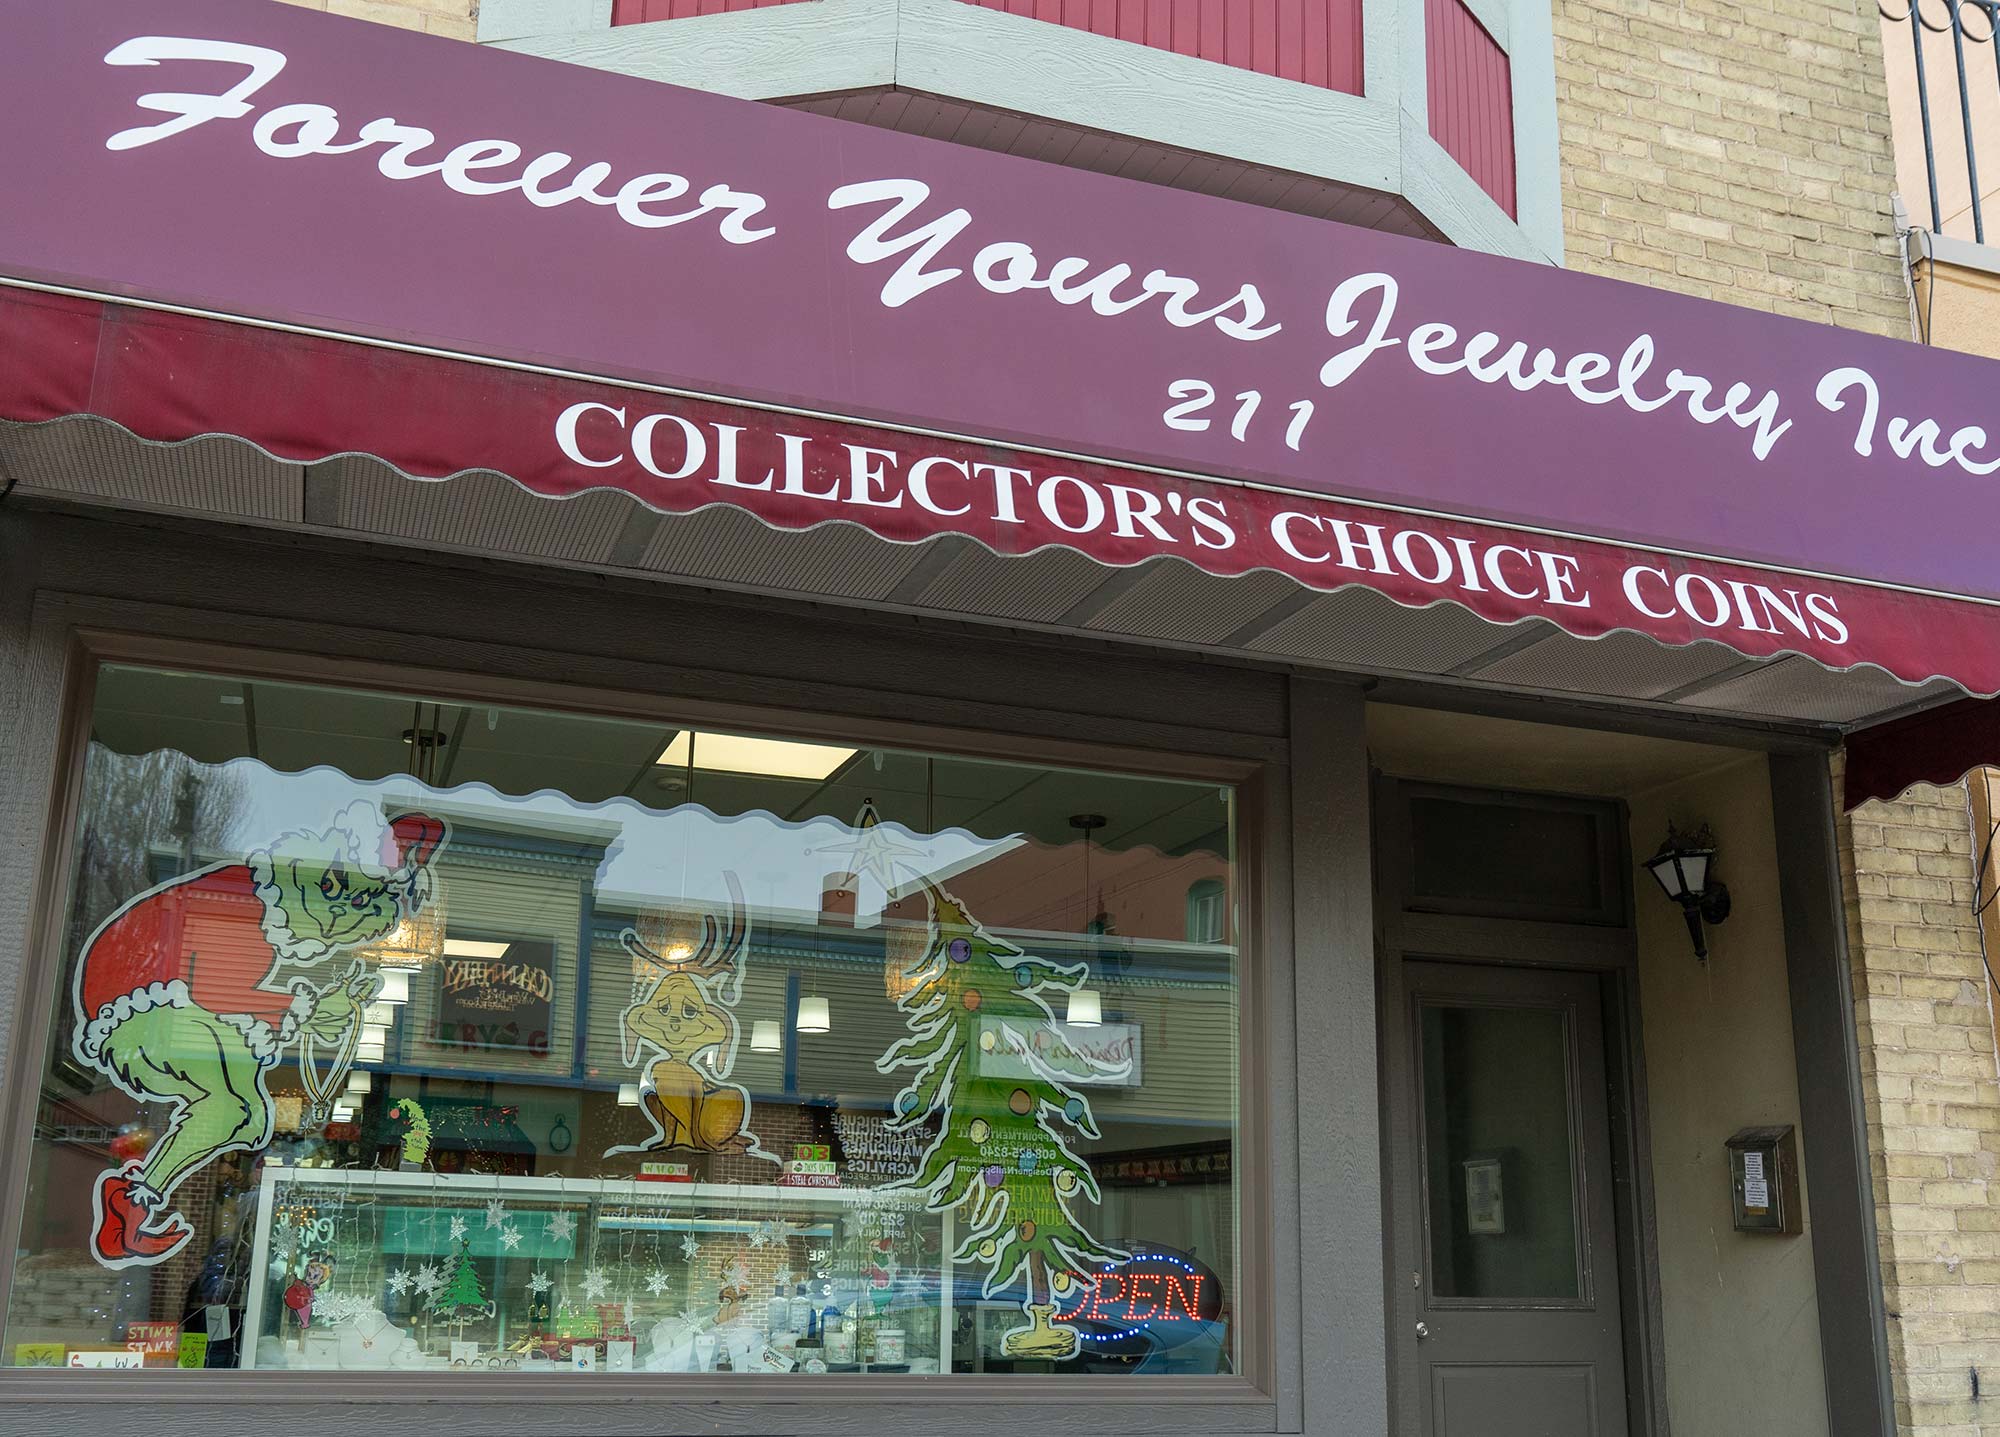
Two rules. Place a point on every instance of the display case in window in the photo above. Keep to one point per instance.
(358, 1269)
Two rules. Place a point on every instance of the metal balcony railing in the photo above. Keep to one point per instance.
(1944, 75)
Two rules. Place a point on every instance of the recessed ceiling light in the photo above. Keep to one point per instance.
(769, 757)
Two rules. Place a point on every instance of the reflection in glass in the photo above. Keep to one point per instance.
(1497, 1153)
(729, 1053)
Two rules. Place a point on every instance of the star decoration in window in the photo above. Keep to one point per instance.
(689, 1247)
(695, 1320)
(562, 1226)
(496, 1213)
(431, 1278)
(399, 1282)
(785, 1277)
(510, 1238)
(656, 1282)
(538, 1283)
(594, 1285)
(457, 1229)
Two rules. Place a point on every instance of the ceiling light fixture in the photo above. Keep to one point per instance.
(765, 757)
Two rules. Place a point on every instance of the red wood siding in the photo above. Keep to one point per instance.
(1316, 42)
(1471, 97)
(637, 12)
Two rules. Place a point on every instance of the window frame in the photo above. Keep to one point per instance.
(1247, 1400)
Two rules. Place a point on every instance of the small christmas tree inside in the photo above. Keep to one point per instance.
(993, 1071)
(462, 1299)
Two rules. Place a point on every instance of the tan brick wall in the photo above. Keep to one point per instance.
(1737, 152)
(454, 19)
(1925, 1023)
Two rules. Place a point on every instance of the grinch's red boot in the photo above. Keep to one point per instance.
(120, 1238)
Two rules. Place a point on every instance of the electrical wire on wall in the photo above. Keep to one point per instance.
(1983, 896)
(1920, 324)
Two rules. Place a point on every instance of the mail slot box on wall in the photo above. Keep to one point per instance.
(1764, 1181)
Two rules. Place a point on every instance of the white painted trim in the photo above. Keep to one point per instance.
(988, 57)
(1959, 253)
(779, 51)
(1413, 81)
(1496, 18)
(1382, 47)
(1537, 141)
(1453, 201)
(514, 19)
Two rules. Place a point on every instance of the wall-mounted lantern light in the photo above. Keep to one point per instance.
(1682, 867)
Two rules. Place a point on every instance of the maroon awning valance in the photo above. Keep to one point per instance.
(173, 377)
(1940, 746)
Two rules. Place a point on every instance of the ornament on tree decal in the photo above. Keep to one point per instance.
(295, 920)
(1001, 1158)
(685, 1024)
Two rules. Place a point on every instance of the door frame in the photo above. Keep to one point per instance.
(1607, 950)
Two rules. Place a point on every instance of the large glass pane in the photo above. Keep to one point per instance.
(1497, 1153)
(408, 1035)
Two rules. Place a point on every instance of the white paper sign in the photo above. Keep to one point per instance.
(1756, 1187)
(1014, 1051)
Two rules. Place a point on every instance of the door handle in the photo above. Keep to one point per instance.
(1423, 1331)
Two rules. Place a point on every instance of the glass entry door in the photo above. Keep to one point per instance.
(1504, 1195)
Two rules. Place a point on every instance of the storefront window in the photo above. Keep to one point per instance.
(426, 1036)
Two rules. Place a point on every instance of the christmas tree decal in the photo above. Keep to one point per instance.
(462, 1299)
(1005, 1105)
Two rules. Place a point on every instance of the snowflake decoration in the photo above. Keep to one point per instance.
(331, 1307)
(457, 1229)
(594, 1285)
(656, 1282)
(496, 1213)
(562, 1226)
(761, 1236)
(431, 1278)
(694, 1319)
(510, 1238)
(399, 1281)
(784, 1277)
(689, 1247)
(538, 1283)
(737, 1274)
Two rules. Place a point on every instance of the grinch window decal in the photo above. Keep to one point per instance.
(189, 994)
(683, 1028)
(426, 1036)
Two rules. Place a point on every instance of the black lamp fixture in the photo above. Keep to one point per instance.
(1682, 867)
